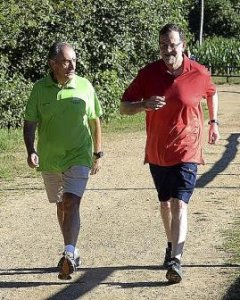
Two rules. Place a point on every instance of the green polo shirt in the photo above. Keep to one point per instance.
(62, 113)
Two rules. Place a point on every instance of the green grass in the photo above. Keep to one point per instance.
(231, 247)
(125, 124)
(13, 157)
(232, 242)
(225, 80)
(10, 140)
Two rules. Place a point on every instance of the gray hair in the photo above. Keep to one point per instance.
(56, 48)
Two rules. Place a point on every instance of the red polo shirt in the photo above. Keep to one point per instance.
(174, 132)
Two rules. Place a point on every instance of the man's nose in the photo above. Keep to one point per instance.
(72, 63)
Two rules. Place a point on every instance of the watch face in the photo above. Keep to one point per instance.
(98, 154)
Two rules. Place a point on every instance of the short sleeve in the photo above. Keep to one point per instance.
(210, 88)
(135, 91)
(31, 111)
(94, 109)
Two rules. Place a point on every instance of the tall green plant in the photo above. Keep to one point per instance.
(220, 53)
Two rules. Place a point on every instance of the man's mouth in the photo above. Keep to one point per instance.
(170, 55)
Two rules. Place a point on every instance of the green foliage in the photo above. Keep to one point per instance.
(220, 53)
(14, 92)
(112, 39)
(109, 89)
(221, 18)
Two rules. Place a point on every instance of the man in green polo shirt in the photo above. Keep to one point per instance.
(64, 108)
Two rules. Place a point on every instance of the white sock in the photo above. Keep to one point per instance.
(69, 248)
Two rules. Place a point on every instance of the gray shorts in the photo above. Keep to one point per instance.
(73, 180)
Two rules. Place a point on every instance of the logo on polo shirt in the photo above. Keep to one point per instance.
(76, 100)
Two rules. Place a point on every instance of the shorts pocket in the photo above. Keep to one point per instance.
(188, 174)
(78, 172)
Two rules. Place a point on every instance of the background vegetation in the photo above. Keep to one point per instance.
(112, 38)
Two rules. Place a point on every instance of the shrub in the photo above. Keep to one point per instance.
(14, 92)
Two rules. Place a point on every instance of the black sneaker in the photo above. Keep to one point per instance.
(66, 265)
(174, 273)
(167, 258)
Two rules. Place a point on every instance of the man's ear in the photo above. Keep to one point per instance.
(51, 64)
(184, 46)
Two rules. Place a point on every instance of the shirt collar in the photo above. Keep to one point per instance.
(186, 65)
(71, 84)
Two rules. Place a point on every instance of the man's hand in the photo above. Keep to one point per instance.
(213, 135)
(154, 103)
(97, 164)
(33, 160)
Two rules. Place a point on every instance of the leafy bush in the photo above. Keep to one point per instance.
(14, 92)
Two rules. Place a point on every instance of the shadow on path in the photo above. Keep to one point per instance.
(89, 278)
(233, 293)
(228, 156)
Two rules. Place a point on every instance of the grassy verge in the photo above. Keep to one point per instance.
(125, 124)
(231, 246)
(225, 80)
(13, 156)
(232, 242)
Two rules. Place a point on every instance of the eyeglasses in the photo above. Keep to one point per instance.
(172, 46)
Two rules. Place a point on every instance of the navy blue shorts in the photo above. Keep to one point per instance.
(176, 181)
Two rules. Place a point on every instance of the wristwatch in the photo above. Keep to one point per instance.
(213, 121)
(98, 154)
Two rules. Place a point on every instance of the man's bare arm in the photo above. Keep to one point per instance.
(131, 108)
(29, 130)
(95, 127)
(212, 104)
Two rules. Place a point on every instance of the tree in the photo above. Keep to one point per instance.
(221, 18)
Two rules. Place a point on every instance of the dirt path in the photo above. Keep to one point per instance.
(122, 240)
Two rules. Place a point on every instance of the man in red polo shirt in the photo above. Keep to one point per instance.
(170, 91)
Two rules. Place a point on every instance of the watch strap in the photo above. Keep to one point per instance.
(213, 121)
(98, 154)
